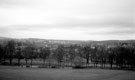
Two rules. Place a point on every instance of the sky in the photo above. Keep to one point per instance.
(68, 19)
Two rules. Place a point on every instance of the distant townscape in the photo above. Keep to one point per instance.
(112, 54)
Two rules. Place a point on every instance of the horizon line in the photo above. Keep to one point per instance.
(69, 39)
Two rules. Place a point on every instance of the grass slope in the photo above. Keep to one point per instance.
(18, 73)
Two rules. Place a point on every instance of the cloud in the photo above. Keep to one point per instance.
(112, 31)
(83, 19)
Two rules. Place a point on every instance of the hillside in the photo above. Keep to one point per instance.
(50, 42)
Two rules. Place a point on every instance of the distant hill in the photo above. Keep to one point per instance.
(2, 38)
(49, 42)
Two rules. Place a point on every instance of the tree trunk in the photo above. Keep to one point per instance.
(26, 61)
(87, 62)
(19, 61)
(43, 61)
(94, 64)
(4, 60)
(104, 65)
(111, 65)
(31, 62)
(10, 60)
(71, 63)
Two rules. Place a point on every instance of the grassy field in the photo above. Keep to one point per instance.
(19, 73)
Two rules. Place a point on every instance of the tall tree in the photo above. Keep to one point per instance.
(1, 53)
(95, 56)
(44, 53)
(59, 54)
(86, 53)
(72, 53)
(111, 56)
(18, 52)
(26, 54)
(11, 50)
(102, 52)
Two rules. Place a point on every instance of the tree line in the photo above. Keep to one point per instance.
(120, 56)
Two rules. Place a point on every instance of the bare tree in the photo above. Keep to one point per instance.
(11, 50)
(72, 53)
(86, 53)
(44, 53)
(59, 54)
(18, 52)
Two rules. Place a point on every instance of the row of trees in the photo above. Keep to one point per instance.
(120, 56)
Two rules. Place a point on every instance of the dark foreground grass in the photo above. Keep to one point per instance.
(19, 73)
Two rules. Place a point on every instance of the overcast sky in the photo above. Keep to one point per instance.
(68, 19)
